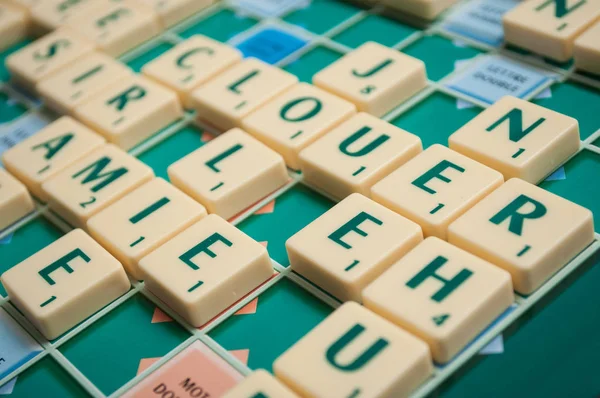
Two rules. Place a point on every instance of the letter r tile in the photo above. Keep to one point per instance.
(526, 230)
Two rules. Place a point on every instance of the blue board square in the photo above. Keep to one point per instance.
(496, 77)
(270, 45)
(16, 346)
(481, 20)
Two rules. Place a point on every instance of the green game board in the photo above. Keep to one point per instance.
(551, 342)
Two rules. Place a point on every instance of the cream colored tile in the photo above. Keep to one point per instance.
(191, 63)
(80, 81)
(355, 155)
(205, 269)
(142, 220)
(14, 25)
(173, 11)
(374, 77)
(519, 139)
(230, 173)
(64, 283)
(441, 294)
(260, 384)
(225, 100)
(587, 50)
(52, 14)
(45, 56)
(350, 245)
(435, 188)
(117, 26)
(49, 151)
(526, 230)
(427, 9)
(355, 352)
(549, 27)
(94, 182)
(296, 118)
(130, 111)
(26, 4)
(15, 202)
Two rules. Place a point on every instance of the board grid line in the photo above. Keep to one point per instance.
(171, 36)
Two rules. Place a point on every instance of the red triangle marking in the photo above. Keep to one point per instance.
(145, 363)
(220, 313)
(241, 355)
(249, 308)
(266, 209)
(264, 243)
(206, 136)
(159, 316)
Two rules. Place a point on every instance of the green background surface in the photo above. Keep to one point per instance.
(551, 351)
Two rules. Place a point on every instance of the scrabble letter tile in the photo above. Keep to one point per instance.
(442, 294)
(80, 81)
(355, 353)
(26, 4)
(587, 50)
(549, 27)
(229, 97)
(191, 63)
(355, 155)
(229, 174)
(519, 139)
(49, 15)
(65, 282)
(350, 245)
(427, 9)
(435, 188)
(174, 11)
(14, 25)
(130, 111)
(15, 202)
(94, 182)
(297, 118)
(142, 220)
(205, 269)
(526, 230)
(374, 77)
(45, 56)
(117, 26)
(49, 151)
(260, 384)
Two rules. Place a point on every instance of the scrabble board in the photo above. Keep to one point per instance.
(545, 344)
